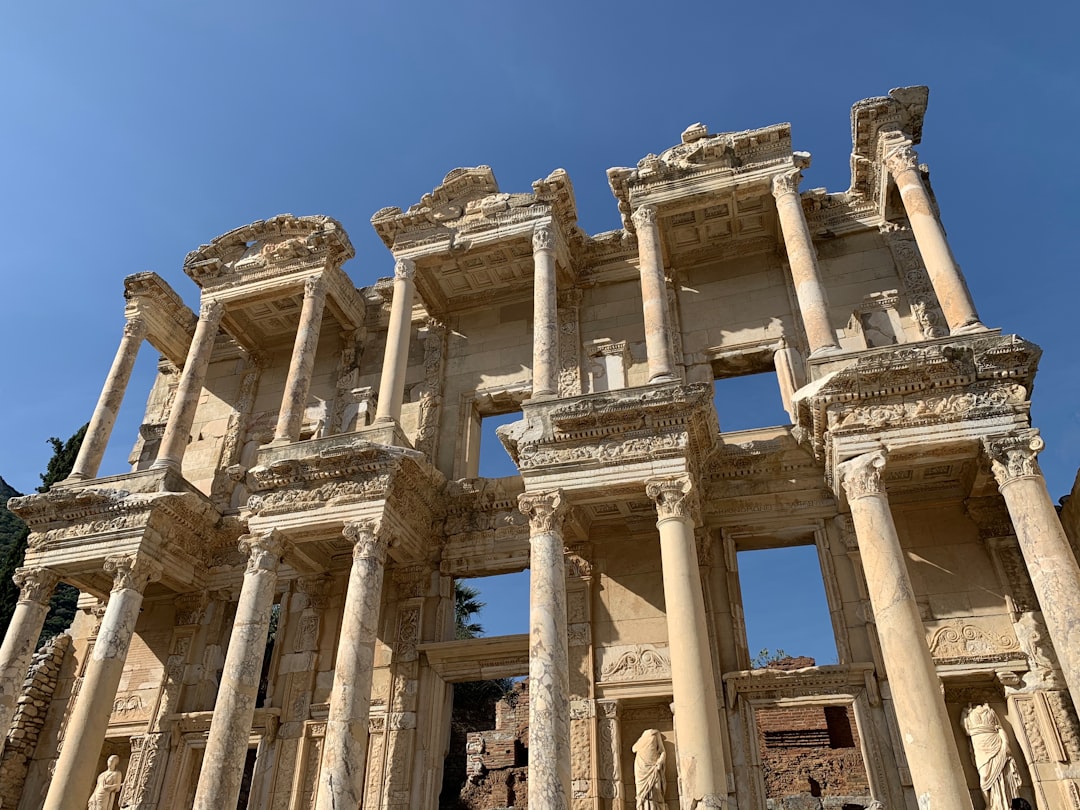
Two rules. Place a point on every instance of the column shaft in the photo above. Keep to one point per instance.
(302, 363)
(396, 354)
(178, 429)
(946, 278)
(344, 750)
(549, 669)
(802, 260)
(234, 709)
(699, 742)
(76, 767)
(654, 297)
(925, 729)
(108, 405)
(545, 314)
(35, 588)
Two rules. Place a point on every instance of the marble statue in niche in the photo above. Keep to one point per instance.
(649, 778)
(108, 786)
(998, 778)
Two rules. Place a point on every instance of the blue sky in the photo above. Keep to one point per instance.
(133, 132)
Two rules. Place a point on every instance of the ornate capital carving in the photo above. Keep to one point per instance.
(35, 584)
(211, 310)
(674, 497)
(135, 327)
(368, 539)
(313, 286)
(543, 237)
(404, 269)
(861, 476)
(545, 510)
(644, 217)
(132, 571)
(1014, 456)
(264, 551)
(786, 183)
(900, 159)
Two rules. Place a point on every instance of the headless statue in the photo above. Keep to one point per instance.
(649, 776)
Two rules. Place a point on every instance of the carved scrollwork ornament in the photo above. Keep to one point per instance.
(211, 310)
(1014, 456)
(545, 510)
(404, 269)
(543, 237)
(35, 584)
(135, 328)
(132, 571)
(861, 476)
(368, 539)
(901, 159)
(674, 497)
(644, 217)
(264, 551)
(786, 183)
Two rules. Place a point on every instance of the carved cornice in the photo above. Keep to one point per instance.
(876, 124)
(264, 551)
(674, 496)
(35, 584)
(1014, 456)
(132, 571)
(369, 540)
(861, 476)
(545, 510)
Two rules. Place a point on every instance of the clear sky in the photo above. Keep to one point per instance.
(134, 132)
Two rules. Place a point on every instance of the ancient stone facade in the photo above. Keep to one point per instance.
(268, 600)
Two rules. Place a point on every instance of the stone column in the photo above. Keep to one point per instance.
(76, 768)
(654, 297)
(234, 709)
(802, 260)
(298, 383)
(1055, 575)
(925, 730)
(344, 750)
(698, 739)
(178, 429)
(108, 405)
(952, 293)
(35, 588)
(549, 668)
(545, 314)
(396, 354)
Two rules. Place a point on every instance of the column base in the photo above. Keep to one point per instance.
(825, 351)
(165, 464)
(663, 378)
(969, 328)
(541, 396)
(76, 477)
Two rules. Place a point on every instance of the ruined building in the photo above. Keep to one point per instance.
(267, 606)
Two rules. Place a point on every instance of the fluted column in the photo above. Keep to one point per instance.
(396, 354)
(925, 730)
(76, 768)
(802, 260)
(298, 383)
(952, 293)
(178, 429)
(654, 296)
(1055, 574)
(341, 780)
(108, 405)
(35, 589)
(549, 668)
(545, 314)
(234, 709)
(699, 742)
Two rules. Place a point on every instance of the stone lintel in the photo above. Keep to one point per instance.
(170, 323)
(478, 659)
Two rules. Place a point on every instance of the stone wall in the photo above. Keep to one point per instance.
(498, 759)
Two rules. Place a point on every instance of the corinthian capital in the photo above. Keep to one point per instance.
(786, 183)
(313, 286)
(404, 269)
(545, 510)
(674, 497)
(369, 540)
(1014, 456)
(644, 217)
(861, 476)
(543, 237)
(901, 158)
(264, 551)
(135, 327)
(132, 571)
(35, 584)
(211, 311)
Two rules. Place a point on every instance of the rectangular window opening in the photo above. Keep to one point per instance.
(496, 605)
(492, 459)
(749, 401)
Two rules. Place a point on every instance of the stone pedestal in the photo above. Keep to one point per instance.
(549, 669)
(952, 293)
(654, 297)
(925, 729)
(699, 741)
(234, 709)
(344, 750)
(545, 314)
(396, 354)
(77, 766)
(108, 405)
(298, 383)
(35, 589)
(802, 260)
(1055, 574)
(178, 429)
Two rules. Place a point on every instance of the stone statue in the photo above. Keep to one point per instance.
(649, 778)
(998, 778)
(108, 786)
